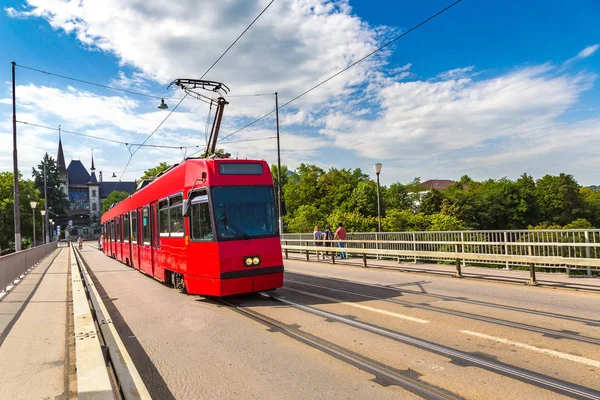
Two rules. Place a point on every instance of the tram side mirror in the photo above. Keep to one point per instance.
(186, 208)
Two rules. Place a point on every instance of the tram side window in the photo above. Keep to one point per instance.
(118, 226)
(126, 228)
(176, 216)
(163, 218)
(201, 226)
(134, 226)
(146, 226)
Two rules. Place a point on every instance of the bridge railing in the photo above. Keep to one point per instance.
(568, 250)
(16, 264)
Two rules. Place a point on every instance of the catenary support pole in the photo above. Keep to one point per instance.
(15, 166)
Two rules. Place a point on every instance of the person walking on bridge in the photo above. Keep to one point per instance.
(318, 237)
(341, 236)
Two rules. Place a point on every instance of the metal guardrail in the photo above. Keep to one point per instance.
(14, 265)
(557, 249)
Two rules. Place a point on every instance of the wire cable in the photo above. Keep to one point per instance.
(349, 66)
(95, 84)
(238, 38)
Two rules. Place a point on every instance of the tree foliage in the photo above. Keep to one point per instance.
(27, 193)
(113, 198)
(314, 196)
(152, 173)
(58, 203)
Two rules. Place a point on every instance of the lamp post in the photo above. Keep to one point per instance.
(45, 210)
(52, 223)
(33, 206)
(44, 240)
(17, 212)
(377, 168)
(278, 166)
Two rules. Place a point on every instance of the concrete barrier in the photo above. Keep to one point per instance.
(14, 265)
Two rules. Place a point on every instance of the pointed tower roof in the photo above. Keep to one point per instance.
(93, 179)
(60, 159)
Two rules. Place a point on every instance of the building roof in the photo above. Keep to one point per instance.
(439, 184)
(60, 159)
(93, 179)
(107, 187)
(78, 175)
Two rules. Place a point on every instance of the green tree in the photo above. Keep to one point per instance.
(404, 221)
(113, 198)
(441, 222)
(352, 221)
(399, 196)
(558, 198)
(152, 173)
(57, 199)
(591, 205)
(431, 202)
(27, 193)
(304, 219)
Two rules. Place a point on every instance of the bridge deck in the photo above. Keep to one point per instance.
(33, 332)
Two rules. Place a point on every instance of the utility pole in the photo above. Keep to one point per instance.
(45, 207)
(15, 166)
(278, 165)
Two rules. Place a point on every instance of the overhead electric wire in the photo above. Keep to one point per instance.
(238, 38)
(349, 66)
(95, 84)
(203, 75)
(107, 140)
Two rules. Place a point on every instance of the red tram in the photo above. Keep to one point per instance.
(206, 225)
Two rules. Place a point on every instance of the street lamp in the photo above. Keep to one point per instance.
(33, 205)
(52, 223)
(377, 168)
(163, 105)
(43, 212)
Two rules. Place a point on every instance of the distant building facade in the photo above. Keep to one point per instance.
(84, 191)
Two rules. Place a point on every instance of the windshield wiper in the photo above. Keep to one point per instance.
(236, 228)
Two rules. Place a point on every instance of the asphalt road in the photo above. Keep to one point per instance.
(188, 347)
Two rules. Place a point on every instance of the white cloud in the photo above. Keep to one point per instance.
(585, 53)
(588, 51)
(292, 46)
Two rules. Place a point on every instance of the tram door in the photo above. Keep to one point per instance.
(155, 239)
(127, 239)
(136, 239)
(146, 242)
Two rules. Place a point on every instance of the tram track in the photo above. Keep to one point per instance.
(457, 357)
(517, 325)
(368, 365)
(400, 292)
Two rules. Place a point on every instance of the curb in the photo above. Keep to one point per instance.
(93, 381)
(129, 381)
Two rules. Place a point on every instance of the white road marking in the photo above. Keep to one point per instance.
(377, 310)
(570, 357)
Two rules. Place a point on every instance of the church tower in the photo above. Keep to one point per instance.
(94, 194)
(62, 167)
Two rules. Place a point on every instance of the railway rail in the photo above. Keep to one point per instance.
(421, 388)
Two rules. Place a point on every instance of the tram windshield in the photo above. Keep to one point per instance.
(244, 212)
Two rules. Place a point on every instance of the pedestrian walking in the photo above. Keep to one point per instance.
(328, 240)
(318, 240)
(341, 236)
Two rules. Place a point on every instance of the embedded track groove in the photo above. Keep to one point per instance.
(497, 321)
(379, 370)
(520, 374)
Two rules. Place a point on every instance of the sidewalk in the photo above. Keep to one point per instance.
(33, 333)
(555, 280)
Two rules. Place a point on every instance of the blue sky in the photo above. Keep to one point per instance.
(486, 89)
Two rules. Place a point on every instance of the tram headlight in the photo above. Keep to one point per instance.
(252, 261)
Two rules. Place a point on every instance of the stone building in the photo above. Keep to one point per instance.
(85, 192)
